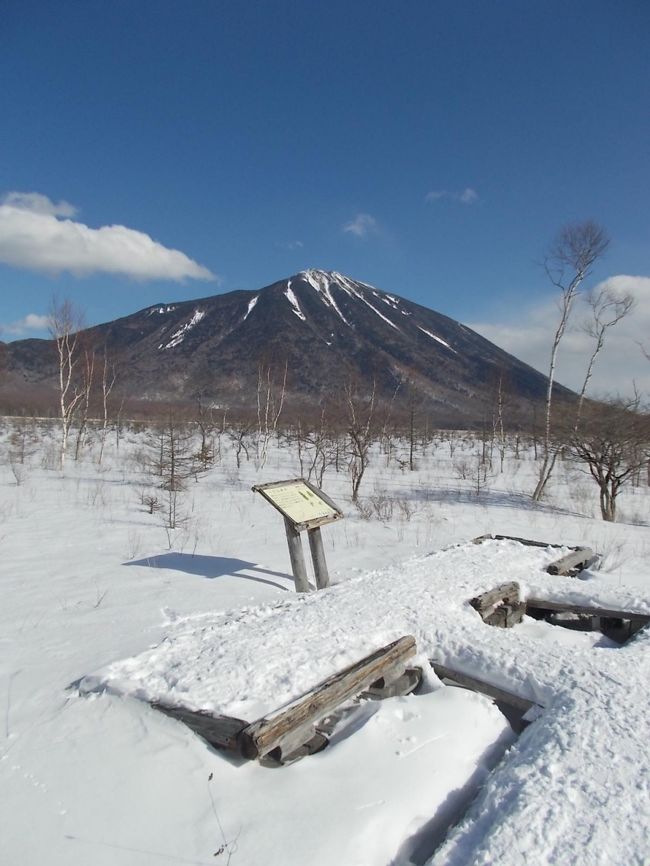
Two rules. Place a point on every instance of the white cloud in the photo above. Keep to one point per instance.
(363, 224)
(291, 245)
(30, 322)
(37, 203)
(34, 234)
(464, 196)
(468, 196)
(620, 363)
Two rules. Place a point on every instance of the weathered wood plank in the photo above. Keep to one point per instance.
(506, 615)
(505, 593)
(639, 635)
(219, 731)
(533, 604)
(268, 733)
(527, 541)
(485, 688)
(573, 562)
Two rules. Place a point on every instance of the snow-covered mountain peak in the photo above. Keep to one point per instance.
(327, 283)
(328, 327)
(321, 280)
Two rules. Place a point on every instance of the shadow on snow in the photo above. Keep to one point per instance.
(212, 567)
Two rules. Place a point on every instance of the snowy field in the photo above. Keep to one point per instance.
(104, 608)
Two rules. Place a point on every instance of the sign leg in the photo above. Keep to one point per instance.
(297, 558)
(318, 557)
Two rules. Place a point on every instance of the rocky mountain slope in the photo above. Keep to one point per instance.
(327, 329)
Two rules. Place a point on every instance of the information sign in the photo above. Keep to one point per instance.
(300, 502)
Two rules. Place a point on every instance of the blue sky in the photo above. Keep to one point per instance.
(432, 149)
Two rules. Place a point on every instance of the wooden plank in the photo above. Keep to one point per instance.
(505, 593)
(579, 558)
(220, 731)
(533, 604)
(485, 688)
(318, 558)
(527, 541)
(506, 615)
(297, 558)
(268, 733)
(641, 634)
(573, 562)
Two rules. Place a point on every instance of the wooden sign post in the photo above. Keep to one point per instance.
(304, 507)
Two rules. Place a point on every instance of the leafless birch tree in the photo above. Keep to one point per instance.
(568, 264)
(607, 310)
(87, 378)
(107, 383)
(270, 402)
(64, 323)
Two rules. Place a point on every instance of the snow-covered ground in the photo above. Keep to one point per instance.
(103, 608)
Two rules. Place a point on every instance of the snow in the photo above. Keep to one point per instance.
(293, 300)
(438, 339)
(320, 281)
(179, 335)
(389, 300)
(103, 609)
(162, 310)
(251, 305)
(348, 286)
(381, 315)
(360, 616)
(404, 774)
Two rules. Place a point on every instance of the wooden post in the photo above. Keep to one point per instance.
(318, 558)
(298, 566)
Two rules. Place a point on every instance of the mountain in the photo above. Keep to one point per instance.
(326, 328)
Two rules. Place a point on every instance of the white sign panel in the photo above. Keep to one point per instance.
(302, 503)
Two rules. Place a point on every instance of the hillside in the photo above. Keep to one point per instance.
(326, 328)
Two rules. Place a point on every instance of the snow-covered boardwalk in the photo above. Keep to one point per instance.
(574, 788)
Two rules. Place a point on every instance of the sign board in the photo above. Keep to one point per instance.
(300, 502)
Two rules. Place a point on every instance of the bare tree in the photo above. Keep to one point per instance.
(174, 460)
(613, 440)
(206, 426)
(501, 400)
(64, 323)
(107, 383)
(413, 402)
(239, 433)
(318, 448)
(87, 370)
(270, 401)
(607, 310)
(567, 265)
(360, 418)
